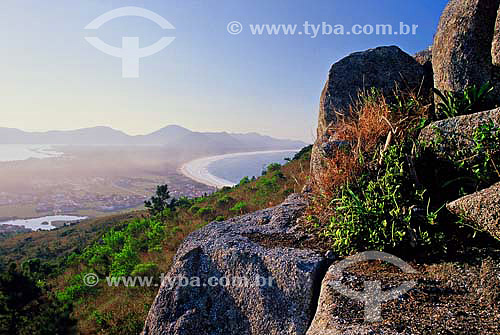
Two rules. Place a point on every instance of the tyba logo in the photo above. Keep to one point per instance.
(130, 52)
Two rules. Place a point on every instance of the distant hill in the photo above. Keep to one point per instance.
(91, 136)
(175, 138)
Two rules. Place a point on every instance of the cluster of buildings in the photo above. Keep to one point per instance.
(70, 203)
(70, 198)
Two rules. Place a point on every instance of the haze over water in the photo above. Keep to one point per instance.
(20, 152)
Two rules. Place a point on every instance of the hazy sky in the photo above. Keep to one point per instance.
(206, 80)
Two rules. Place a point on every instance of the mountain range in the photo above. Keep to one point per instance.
(173, 136)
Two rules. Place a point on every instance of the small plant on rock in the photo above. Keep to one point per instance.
(470, 101)
(370, 195)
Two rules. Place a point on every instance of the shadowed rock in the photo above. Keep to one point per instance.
(334, 314)
(464, 44)
(454, 137)
(424, 58)
(224, 250)
(444, 300)
(495, 50)
(384, 68)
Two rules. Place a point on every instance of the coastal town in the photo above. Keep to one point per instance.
(94, 197)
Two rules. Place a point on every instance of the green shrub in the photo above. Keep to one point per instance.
(155, 235)
(244, 181)
(124, 261)
(103, 320)
(487, 153)
(118, 251)
(146, 270)
(304, 153)
(470, 101)
(239, 207)
(184, 202)
(224, 200)
(194, 209)
(200, 199)
(476, 166)
(266, 186)
(26, 307)
(377, 210)
(175, 230)
(76, 289)
(205, 211)
(273, 167)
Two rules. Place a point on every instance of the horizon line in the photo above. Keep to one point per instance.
(152, 132)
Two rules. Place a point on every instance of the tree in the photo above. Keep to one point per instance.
(27, 307)
(243, 181)
(160, 201)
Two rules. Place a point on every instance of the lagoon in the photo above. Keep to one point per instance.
(21, 152)
(43, 223)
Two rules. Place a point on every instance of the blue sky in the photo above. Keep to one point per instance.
(206, 80)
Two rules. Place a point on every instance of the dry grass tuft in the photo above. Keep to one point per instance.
(361, 139)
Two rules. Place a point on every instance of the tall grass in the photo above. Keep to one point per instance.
(365, 196)
(372, 125)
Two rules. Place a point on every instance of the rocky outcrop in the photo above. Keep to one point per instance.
(424, 57)
(454, 137)
(444, 300)
(481, 209)
(495, 50)
(249, 248)
(339, 314)
(489, 285)
(255, 275)
(463, 45)
(383, 68)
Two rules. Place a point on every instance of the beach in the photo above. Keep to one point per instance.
(197, 169)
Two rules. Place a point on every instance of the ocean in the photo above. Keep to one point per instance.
(235, 168)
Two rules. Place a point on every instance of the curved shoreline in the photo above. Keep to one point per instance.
(197, 169)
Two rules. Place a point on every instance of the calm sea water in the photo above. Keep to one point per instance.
(235, 168)
(20, 152)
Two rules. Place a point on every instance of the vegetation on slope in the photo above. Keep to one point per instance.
(26, 304)
(137, 244)
(383, 191)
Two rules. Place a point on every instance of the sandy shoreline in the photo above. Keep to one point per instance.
(198, 169)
